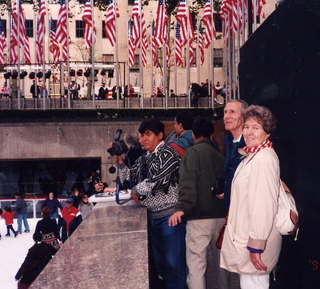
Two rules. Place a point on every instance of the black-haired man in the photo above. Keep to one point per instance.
(201, 178)
(154, 182)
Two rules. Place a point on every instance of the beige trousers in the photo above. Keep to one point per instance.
(202, 234)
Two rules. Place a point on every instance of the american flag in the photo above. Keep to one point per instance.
(54, 46)
(260, 5)
(159, 29)
(185, 21)
(154, 47)
(166, 43)
(3, 46)
(18, 23)
(5, 88)
(110, 22)
(208, 23)
(41, 32)
(132, 48)
(144, 41)
(89, 29)
(192, 56)
(178, 46)
(62, 33)
(201, 46)
(136, 22)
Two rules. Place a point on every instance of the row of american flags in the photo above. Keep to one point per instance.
(234, 14)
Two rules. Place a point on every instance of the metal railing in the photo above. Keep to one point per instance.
(130, 102)
(33, 205)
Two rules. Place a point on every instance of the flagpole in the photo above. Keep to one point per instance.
(18, 80)
(152, 65)
(188, 55)
(44, 59)
(254, 15)
(117, 70)
(238, 51)
(211, 61)
(68, 60)
(92, 55)
(35, 50)
(198, 51)
(140, 57)
(165, 65)
(229, 88)
(175, 70)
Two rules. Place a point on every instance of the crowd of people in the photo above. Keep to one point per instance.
(59, 221)
(199, 200)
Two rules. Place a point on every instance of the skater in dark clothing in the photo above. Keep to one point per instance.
(48, 228)
(37, 258)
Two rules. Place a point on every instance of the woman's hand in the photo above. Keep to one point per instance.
(175, 218)
(256, 260)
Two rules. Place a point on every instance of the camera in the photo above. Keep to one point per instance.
(118, 146)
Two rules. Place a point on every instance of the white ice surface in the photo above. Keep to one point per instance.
(12, 252)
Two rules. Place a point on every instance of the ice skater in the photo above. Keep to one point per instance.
(8, 217)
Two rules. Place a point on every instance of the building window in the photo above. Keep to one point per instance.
(136, 64)
(217, 57)
(79, 29)
(3, 26)
(217, 23)
(130, 2)
(29, 27)
(103, 31)
(194, 60)
(108, 58)
(53, 25)
(258, 19)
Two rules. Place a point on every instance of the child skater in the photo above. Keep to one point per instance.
(8, 217)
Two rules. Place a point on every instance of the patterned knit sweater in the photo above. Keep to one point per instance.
(155, 176)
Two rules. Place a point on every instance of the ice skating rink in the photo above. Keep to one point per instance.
(12, 252)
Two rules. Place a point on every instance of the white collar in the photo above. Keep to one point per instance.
(238, 139)
(157, 147)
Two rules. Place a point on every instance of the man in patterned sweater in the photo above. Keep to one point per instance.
(153, 180)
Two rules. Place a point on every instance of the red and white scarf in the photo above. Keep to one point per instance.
(266, 144)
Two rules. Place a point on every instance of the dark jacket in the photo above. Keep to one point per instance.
(231, 161)
(37, 258)
(201, 178)
(21, 206)
(47, 226)
(53, 205)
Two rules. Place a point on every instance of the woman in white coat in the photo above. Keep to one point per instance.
(252, 244)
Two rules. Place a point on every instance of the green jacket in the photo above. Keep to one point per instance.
(201, 170)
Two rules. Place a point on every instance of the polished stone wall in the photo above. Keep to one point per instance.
(108, 251)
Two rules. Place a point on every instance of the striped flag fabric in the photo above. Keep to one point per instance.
(40, 33)
(132, 48)
(62, 33)
(110, 22)
(159, 29)
(136, 10)
(3, 46)
(185, 20)
(89, 29)
(178, 47)
(54, 47)
(166, 44)
(192, 56)
(144, 40)
(208, 23)
(201, 46)
(19, 34)
(14, 34)
(154, 47)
